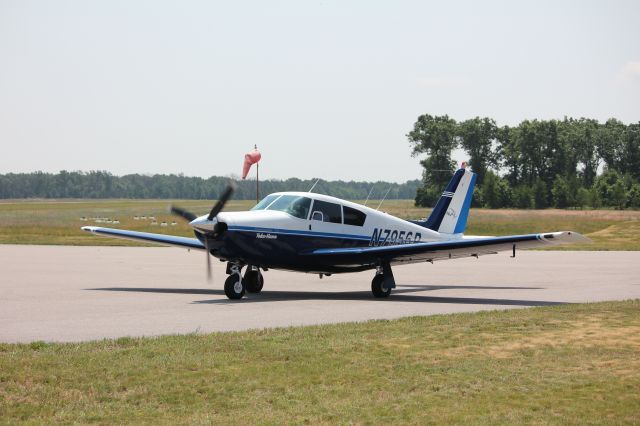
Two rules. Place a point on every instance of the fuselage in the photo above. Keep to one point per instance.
(283, 227)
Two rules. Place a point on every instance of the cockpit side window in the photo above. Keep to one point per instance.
(330, 212)
(265, 202)
(300, 207)
(353, 217)
(292, 204)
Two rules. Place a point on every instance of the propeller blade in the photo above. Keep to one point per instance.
(208, 254)
(222, 201)
(185, 214)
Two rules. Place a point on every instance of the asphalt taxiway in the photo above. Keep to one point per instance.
(59, 293)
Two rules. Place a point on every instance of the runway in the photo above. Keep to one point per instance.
(61, 293)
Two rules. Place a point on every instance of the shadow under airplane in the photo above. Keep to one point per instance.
(403, 293)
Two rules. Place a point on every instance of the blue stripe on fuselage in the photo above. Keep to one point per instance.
(299, 232)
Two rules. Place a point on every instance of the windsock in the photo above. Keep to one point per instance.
(249, 159)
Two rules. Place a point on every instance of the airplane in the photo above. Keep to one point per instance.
(324, 235)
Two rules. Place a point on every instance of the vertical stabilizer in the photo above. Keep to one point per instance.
(450, 214)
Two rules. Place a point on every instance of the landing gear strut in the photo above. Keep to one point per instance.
(253, 279)
(234, 286)
(383, 282)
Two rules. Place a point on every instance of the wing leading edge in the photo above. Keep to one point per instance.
(170, 240)
(441, 250)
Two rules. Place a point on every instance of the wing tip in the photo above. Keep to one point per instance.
(565, 237)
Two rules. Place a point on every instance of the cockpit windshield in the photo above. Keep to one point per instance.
(295, 205)
(265, 202)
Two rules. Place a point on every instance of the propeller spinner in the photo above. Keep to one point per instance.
(206, 227)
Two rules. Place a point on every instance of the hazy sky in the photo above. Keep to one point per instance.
(325, 88)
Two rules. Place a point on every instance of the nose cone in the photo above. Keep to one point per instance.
(203, 224)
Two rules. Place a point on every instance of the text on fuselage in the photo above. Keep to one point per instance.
(388, 237)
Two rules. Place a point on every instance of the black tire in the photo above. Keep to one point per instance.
(234, 287)
(377, 287)
(253, 281)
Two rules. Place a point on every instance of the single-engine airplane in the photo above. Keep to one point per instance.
(319, 234)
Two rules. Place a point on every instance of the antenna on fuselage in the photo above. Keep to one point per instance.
(313, 186)
(385, 196)
(370, 191)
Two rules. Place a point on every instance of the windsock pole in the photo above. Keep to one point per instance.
(251, 158)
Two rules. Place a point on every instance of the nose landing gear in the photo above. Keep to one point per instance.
(234, 286)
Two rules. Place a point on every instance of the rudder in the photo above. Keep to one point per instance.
(451, 212)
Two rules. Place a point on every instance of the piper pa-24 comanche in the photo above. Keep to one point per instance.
(319, 234)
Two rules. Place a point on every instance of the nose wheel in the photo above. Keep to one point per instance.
(234, 286)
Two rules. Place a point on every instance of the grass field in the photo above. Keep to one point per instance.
(570, 364)
(58, 222)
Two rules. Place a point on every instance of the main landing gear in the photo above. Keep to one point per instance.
(383, 281)
(236, 285)
(253, 279)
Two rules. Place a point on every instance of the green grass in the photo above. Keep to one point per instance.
(58, 222)
(570, 364)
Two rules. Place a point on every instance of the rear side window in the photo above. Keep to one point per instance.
(330, 212)
(353, 217)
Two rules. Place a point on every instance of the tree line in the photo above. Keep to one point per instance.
(569, 163)
(102, 184)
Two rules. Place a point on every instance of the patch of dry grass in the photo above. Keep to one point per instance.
(576, 364)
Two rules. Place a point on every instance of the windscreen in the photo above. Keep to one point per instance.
(293, 204)
(265, 202)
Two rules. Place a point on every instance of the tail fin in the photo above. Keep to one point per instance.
(452, 210)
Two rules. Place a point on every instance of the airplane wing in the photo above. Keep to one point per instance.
(169, 240)
(443, 250)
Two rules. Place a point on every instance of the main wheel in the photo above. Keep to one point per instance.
(377, 287)
(253, 281)
(234, 286)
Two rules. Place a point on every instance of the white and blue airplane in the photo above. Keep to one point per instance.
(319, 234)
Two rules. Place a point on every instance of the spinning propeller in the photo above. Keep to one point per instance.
(202, 225)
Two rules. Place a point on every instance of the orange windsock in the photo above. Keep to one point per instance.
(249, 159)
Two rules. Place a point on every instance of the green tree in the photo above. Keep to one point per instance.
(436, 137)
(523, 197)
(610, 189)
(495, 191)
(508, 154)
(563, 197)
(583, 197)
(540, 194)
(610, 144)
(583, 136)
(477, 136)
(630, 161)
(633, 196)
